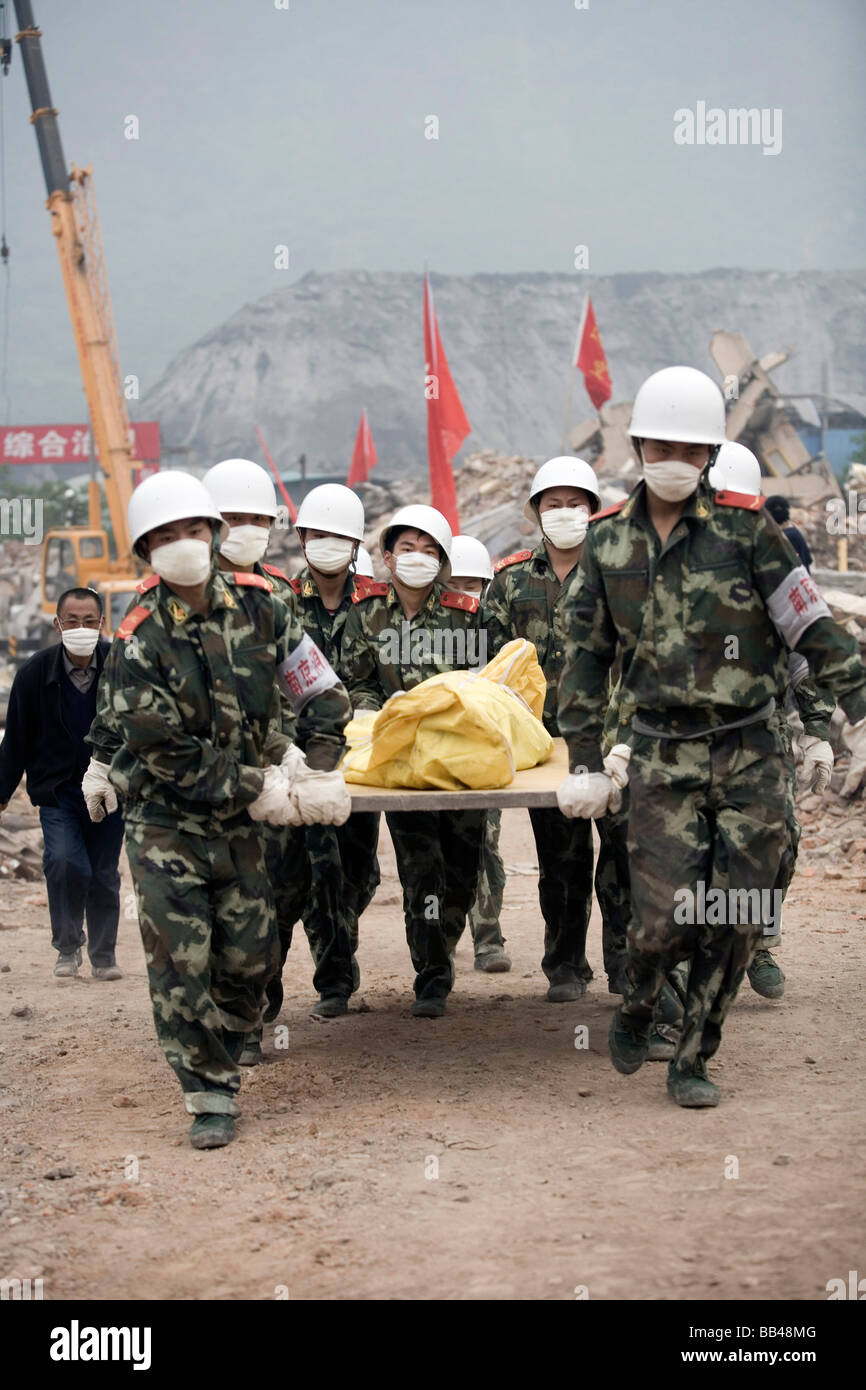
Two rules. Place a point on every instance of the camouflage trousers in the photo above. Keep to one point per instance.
(771, 937)
(613, 889)
(706, 813)
(438, 860)
(486, 909)
(324, 876)
(206, 915)
(565, 859)
(574, 875)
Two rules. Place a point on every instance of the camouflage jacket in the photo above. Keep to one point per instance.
(188, 708)
(813, 705)
(702, 622)
(108, 729)
(384, 652)
(525, 599)
(326, 629)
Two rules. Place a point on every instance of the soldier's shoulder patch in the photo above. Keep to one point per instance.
(746, 500)
(364, 584)
(295, 585)
(149, 583)
(134, 618)
(463, 601)
(277, 573)
(257, 581)
(514, 559)
(372, 588)
(608, 511)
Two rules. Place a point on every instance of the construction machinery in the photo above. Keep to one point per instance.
(81, 555)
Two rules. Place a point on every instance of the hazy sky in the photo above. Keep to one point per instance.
(306, 127)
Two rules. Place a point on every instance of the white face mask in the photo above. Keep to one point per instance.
(673, 480)
(80, 641)
(416, 571)
(470, 593)
(330, 554)
(183, 562)
(245, 544)
(565, 527)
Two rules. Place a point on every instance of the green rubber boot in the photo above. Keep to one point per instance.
(211, 1131)
(765, 977)
(493, 962)
(428, 1008)
(691, 1087)
(330, 1006)
(567, 990)
(628, 1043)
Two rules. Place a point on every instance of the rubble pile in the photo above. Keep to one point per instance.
(815, 521)
(20, 840)
(20, 587)
(833, 844)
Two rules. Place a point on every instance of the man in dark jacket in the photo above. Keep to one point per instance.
(51, 707)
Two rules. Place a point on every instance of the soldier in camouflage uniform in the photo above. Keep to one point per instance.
(344, 867)
(700, 593)
(526, 600)
(246, 500)
(396, 636)
(190, 684)
(736, 469)
(471, 572)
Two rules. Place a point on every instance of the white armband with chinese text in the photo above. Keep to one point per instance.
(795, 605)
(304, 673)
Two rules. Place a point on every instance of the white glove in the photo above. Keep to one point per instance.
(855, 737)
(616, 766)
(817, 763)
(272, 803)
(291, 761)
(320, 798)
(99, 795)
(585, 795)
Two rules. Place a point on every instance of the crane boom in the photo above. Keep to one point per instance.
(74, 224)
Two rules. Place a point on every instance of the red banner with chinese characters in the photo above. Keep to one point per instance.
(70, 443)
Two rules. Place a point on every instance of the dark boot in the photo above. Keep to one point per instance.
(628, 1043)
(691, 1087)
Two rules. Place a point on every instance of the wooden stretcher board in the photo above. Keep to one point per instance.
(536, 786)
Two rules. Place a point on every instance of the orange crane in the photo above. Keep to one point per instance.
(80, 555)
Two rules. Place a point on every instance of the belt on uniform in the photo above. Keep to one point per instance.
(757, 716)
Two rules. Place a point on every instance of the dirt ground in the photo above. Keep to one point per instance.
(480, 1156)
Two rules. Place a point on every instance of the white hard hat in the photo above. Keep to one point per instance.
(239, 485)
(333, 508)
(169, 496)
(563, 471)
(470, 559)
(364, 562)
(735, 470)
(680, 404)
(422, 518)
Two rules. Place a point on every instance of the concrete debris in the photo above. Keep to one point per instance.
(20, 840)
(20, 590)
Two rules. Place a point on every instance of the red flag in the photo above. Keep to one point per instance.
(364, 453)
(293, 515)
(589, 357)
(447, 425)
